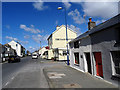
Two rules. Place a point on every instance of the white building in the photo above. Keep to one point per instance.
(42, 52)
(20, 50)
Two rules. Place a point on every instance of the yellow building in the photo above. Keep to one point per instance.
(58, 44)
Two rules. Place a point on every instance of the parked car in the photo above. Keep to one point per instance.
(14, 59)
(34, 56)
(3, 59)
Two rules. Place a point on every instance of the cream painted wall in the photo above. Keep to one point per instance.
(61, 56)
(61, 34)
(50, 54)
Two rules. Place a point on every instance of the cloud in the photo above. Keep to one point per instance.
(7, 26)
(32, 49)
(100, 21)
(32, 26)
(76, 17)
(39, 5)
(56, 22)
(30, 29)
(24, 42)
(103, 9)
(26, 36)
(38, 38)
(15, 39)
(76, 29)
(11, 38)
(67, 4)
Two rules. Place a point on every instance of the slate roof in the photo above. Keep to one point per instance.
(102, 26)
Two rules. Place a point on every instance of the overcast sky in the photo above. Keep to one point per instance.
(32, 22)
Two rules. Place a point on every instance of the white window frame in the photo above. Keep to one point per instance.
(113, 66)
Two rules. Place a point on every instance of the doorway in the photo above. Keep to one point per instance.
(98, 60)
(88, 59)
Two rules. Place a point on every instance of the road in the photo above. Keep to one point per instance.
(25, 74)
(34, 73)
(10, 70)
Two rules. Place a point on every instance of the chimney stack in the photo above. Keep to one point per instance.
(57, 27)
(91, 24)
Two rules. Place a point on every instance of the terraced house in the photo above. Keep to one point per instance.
(58, 44)
(97, 51)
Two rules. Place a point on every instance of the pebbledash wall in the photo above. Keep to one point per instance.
(104, 42)
(104, 38)
(83, 47)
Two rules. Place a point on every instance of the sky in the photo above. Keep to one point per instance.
(32, 22)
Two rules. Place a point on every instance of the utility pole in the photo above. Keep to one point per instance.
(40, 44)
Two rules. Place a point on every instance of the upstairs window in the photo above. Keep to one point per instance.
(76, 44)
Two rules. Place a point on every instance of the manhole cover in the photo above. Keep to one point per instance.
(73, 85)
(53, 75)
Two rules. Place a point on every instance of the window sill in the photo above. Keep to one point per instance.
(115, 77)
(117, 44)
(76, 48)
(76, 64)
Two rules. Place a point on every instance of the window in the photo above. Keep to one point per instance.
(76, 55)
(116, 61)
(118, 34)
(76, 44)
(45, 53)
(57, 39)
(64, 53)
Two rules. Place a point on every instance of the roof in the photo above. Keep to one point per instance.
(113, 21)
(18, 43)
(59, 28)
(7, 45)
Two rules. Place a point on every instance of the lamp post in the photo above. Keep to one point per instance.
(59, 8)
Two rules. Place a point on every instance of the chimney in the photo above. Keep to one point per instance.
(57, 27)
(91, 24)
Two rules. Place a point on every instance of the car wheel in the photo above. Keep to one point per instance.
(8, 61)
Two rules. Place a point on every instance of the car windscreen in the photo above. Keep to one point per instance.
(34, 55)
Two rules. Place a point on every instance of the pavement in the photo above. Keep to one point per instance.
(63, 76)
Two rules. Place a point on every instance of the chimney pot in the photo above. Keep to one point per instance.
(57, 27)
(91, 24)
(90, 19)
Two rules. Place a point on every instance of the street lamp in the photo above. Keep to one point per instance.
(59, 8)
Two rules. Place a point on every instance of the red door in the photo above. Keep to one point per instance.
(98, 60)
